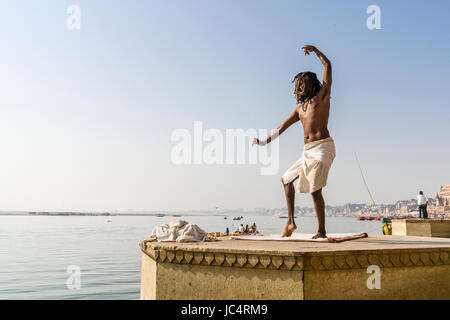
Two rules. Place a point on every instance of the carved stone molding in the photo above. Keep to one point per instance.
(392, 259)
(298, 261)
(224, 259)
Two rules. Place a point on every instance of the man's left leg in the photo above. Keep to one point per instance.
(425, 213)
(290, 200)
(319, 206)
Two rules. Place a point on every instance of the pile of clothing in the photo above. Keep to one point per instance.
(178, 231)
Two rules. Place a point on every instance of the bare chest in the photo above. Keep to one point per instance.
(313, 109)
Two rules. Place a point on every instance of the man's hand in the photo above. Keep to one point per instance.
(307, 49)
(257, 142)
(327, 79)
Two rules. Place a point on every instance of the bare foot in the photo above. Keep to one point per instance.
(320, 234)
(289, 230)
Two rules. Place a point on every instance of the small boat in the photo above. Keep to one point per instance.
(282, 215)
(378, 218)
(361, 218)
(285, 215)
(370, 218)
(238, 218)
(160, 215)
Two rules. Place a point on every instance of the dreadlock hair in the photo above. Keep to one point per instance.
(306, 86)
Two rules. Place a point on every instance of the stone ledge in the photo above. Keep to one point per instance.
(282, 260)
(242, 259)
(421, 227)
(429, 220)
(396, 258)
(409, 268)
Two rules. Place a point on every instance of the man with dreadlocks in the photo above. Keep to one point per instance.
(311, 170)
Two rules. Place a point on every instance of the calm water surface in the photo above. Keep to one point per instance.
(36, 251)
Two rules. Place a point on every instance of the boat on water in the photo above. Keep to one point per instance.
(160, 215)
(368, 218)
(285, 216)
(238, 218)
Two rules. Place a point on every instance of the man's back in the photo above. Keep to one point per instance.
(315, 118)
(421, 199)
(313, 109)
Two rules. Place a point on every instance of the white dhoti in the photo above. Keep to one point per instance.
(313, 166)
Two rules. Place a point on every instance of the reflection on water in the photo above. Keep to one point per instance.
(35, 251)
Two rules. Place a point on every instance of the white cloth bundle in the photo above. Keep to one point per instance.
(178, 231)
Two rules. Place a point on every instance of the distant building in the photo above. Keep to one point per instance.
(444, 196)
(442, 200)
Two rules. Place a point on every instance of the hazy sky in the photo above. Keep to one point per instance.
(86, 116)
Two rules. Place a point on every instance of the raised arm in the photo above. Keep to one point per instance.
(327, 79)
(293, 118)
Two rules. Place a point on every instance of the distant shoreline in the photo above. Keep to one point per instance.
(106, 214)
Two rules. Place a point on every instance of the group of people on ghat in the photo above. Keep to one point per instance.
(247, 229)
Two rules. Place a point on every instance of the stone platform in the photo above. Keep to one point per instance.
(408, 268)
(421, 227)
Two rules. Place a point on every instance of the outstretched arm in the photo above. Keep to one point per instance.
(327, 79)
(293, 118)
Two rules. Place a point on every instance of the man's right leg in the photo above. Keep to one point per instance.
(290, 200)
(420, 211)
(319, 206)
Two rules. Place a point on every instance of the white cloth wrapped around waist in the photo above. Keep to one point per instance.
(313, 167)
(178, 231)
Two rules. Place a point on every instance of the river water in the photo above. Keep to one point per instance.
(36, 251)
